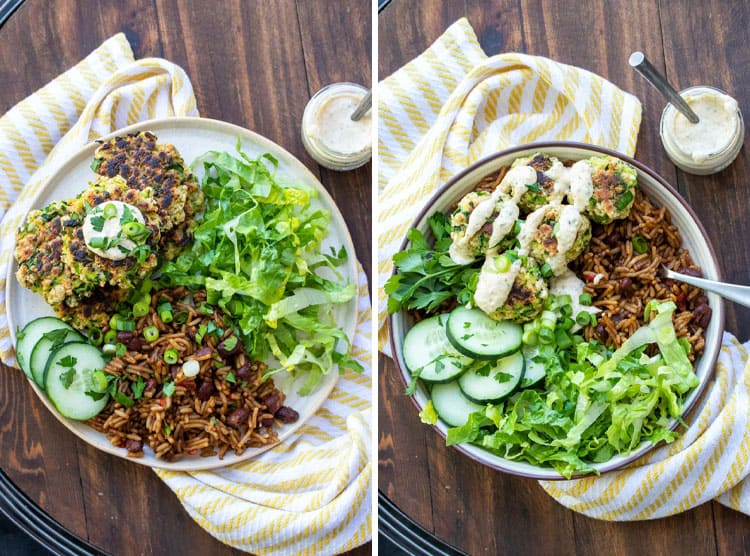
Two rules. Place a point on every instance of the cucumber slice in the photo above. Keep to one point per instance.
(72, 383)
(478, 336)
(451, 405)
(30, 335)
(49, 342)
(535, 371)
(493, 381)
(427, 350)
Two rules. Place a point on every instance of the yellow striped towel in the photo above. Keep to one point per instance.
(453, 105)
(310, 495)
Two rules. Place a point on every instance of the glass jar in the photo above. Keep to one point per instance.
(710, 145)
(329, 134)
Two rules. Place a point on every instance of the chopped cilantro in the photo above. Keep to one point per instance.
(535, 187)
(230, 378)
(96, 396)
(123, 399)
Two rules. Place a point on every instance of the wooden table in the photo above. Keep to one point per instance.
(486, 512)
(254, 64)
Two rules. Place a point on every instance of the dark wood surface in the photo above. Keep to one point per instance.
(254, 64)
(487, 512)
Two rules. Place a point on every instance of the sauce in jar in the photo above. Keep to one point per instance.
(714, 142)
(329, 134)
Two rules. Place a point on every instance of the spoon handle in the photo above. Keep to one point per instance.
(643, 66)
(364, 105)
(732, 292)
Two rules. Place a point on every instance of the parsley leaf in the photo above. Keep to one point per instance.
(230, 378)
(67, 361)
(138, 387)
(535, 187)
(97, 222)
(96, 396)
(68, 377)
(426, 276)
(168, 389)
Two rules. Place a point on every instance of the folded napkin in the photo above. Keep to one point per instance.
(450, 107)
(312, 494)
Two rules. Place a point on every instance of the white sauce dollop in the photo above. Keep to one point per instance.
(503, 224)
(567, 283)
(580, 183)
(714, 131)
(96, 225)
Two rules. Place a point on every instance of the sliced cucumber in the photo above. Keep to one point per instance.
(451, 405)
(478, 336)
(535, 370)
(492, 382)
(73, 383)
(30, 335)
(427, 350)
(49, 342)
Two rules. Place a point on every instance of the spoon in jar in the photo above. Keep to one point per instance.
(732, 292)
(364, 105)
(639, 62)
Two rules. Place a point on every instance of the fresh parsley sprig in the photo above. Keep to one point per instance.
(426, 276)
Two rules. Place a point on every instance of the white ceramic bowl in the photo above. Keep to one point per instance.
(693, 237)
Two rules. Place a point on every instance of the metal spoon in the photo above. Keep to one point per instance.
(732, 292)
(364, 105)
(643, 66)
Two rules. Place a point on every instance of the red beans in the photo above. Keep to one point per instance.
(287, 415)
(205, 391)
(238, 417)
(272, 403)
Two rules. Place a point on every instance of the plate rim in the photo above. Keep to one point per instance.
(550, 474)
(210, 462)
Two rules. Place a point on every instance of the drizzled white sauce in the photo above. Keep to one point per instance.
(481, 214)
(570, 221)
(529, 228)
(493, 286)
(558, 173)
(515, 182)
(503, 224)
(580, 183)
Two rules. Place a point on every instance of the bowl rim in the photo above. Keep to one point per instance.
(604, 468)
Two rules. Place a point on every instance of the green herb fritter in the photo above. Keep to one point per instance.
(83, 287)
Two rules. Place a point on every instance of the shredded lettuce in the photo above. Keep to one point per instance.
(257, 252)
(595, 404)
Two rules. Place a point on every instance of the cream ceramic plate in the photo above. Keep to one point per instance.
(192, 137)
(693, 237)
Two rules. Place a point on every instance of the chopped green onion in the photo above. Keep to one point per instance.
(202, 329)
(530, 336)
(623, 202)
(120, 350)
(109, 349)
(97, 242)
(135, 230)
(95, 336)
(120, 323)
(140, 309)
(566, 324)
(205, 309)
(501, 264)
(110, 211)
(171, 356)
(563, 339)
(546, 336)
(640, 245)
(110, 337)
(546, 270)
(649, 308)
(191, 368)
(585, 299)
(181, 317)
(151, 333)
(566, 310)
(166, 316)
(583, 318)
